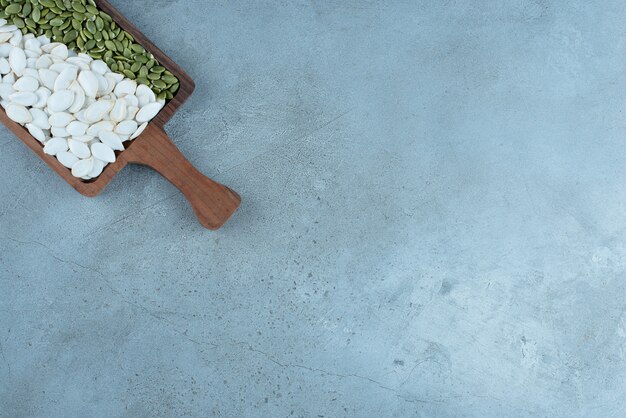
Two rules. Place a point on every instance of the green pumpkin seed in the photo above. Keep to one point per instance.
(92, 9)
(169, 79)
(157, 69)
(174, 87)
(70, 36)
(110, 45)
(129, 74)
(106, 17)
(76, 5)
(26, 9)
(56, 22)
(162, 96)
(90, 44)
(159, 84)
(30, 22)
(13, 9)
(153, 76)
(19, 22)
(91, 27)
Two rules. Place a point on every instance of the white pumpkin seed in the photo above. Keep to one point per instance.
(139, 130)
(125, 87)
(89, 83)
(79, 149)
(148, 112)
(40, 118)
(17, 60)
(97, 110)
(42, 97)
(32, 44)
(60, 119)
(60, 51)
(76, 128)
(55, 146)
(103, 85)
(127, 127)
(132, 100)
(26, 84)
(59, 132)
(31, 72)
(131, 112)
(24, 98)
(60, 100)
(9, 78)
(36, 132)
(79, 97)
(82, 167)
(103, 152)
(118, 113)
(99, 67)
(67, 158)
(5, 67)
(111, 139)
(6, 90)
(8, 28)
(48, 77)
(5, 49)
(16, 39)
(98, 166)
(65, 79)
(105, 125)
(18, 113)
(43, 62)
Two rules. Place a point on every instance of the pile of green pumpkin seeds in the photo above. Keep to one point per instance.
(84, 28)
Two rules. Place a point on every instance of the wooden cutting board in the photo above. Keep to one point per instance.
(213, 203)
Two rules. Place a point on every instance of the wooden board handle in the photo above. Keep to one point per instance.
(213, 203)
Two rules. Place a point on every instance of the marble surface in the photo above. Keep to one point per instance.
(432, 218)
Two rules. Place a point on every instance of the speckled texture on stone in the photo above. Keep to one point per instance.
(433, 223)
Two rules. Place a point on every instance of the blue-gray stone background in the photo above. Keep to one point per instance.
(433, 223)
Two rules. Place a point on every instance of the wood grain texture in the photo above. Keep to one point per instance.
(212, 202)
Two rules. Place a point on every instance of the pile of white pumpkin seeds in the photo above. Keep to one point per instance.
(84, 28)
